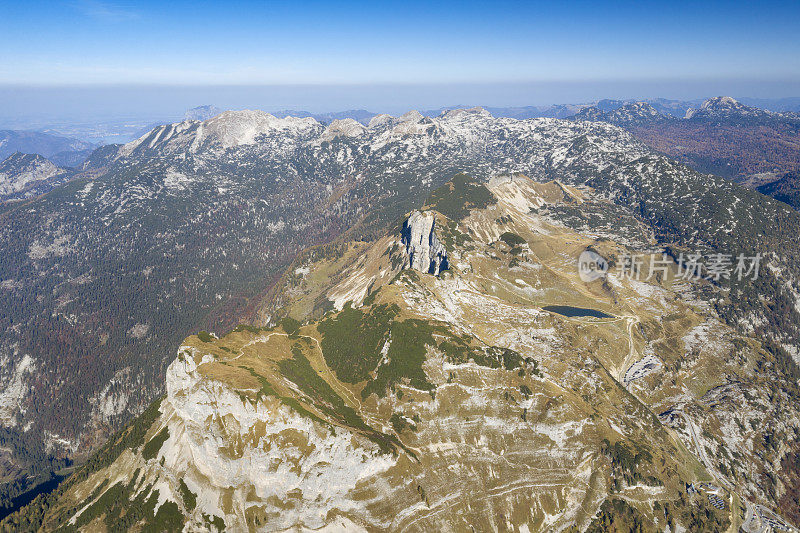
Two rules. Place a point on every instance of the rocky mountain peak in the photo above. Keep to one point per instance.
(721, 102)
(411, 116)
(724, 107)
(18, 159)
(203, 112)
(346, 127)
(641, 108)
(631, 113)
(424, 251)
(379, 120)
(472, 111)
(228, 129)
(236, 128)
(591, 114)
(634, 112)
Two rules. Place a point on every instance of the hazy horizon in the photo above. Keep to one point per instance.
(92, 102)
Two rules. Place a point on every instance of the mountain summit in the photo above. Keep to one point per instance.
(203, 112)
(725, 107)
(626, 115)
(19, 171)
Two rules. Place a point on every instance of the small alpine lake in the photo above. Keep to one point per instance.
(570, 311)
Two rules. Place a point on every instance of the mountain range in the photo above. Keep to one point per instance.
(720, 136)
(195, 228)
(62, 151)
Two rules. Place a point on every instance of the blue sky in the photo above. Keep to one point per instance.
(500, 44)
(93, 41)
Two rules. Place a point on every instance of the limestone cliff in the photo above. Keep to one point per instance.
(425, 252)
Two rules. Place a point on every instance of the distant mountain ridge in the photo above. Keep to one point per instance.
(27, 175)
(631, 113)
(203, 112)
(719, 107)
(725, 107)
(720, 135)
(359, 115)
(664, 106)
(60, 150)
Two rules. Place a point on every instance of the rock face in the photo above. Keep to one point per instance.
(425, 252)
(220, 445)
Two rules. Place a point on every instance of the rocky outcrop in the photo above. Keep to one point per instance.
(425, 252)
